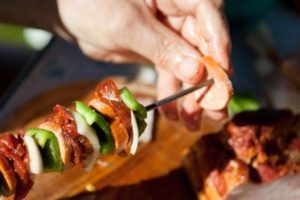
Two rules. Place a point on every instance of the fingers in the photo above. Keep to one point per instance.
(177, 7)
(151, 39)
(213, 28)
(182, 7)
(151, 5)
(167, 85)
(175, 23)
(217, 115)
(190, 112)
(111, 56)
(205, 26)
(220, 92)
(188, 30)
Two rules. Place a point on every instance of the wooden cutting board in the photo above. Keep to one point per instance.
(154, 172)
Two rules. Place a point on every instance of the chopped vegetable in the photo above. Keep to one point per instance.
(95, 119)
(83, 128)
(49, 149)
(133, 104)
(34, 154)
(7, 178)
(135, 134)
(142, 124)
(57, 131)
(240, 103)
(4, 189)
(140, 112)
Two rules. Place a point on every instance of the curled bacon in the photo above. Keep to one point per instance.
(218, 95)
(120, 135)
(108, 93)
(13, 149)
(80, 146)
(8, 174)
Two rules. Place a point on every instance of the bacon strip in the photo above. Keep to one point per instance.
(219, 94)
(79, 145)
(108, 93)
(103, 107)
(13, 149)
(120, 135)
(8, 174)
(109, 103)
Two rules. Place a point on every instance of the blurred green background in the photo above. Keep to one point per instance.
(11, 34)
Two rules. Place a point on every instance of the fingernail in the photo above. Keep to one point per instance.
(189, 68)
(171, 115)
(170, 111)
(217, 115)
(191, 120)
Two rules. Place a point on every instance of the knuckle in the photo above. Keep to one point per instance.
(122, 21)
(163, 51)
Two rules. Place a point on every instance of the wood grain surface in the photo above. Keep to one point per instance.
(153, 173)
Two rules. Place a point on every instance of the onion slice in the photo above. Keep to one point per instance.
(135, 134)
(84, 129)
(34, 154)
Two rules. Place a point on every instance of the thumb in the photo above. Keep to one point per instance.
(153, 40)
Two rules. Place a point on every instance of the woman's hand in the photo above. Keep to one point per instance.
(172, 34)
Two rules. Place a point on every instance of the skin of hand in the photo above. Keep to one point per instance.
(172, 34)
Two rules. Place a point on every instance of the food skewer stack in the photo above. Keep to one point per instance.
(110, 123)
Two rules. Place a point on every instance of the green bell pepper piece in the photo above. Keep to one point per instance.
(240, 103)
(133, 104)
(96, 120)
(141, 125)
(49, 147)
(4, 189)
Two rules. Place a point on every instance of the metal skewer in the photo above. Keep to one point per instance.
(178, 95)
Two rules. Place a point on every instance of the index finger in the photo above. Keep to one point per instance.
(213, 28)
(181, 7)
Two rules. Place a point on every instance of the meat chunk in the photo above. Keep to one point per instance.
(266, 139)
(108, 93)
(7, 177)
(220, 183)
(219, 93)
(108, 102)
(79, 146)
(103, 107)
(256, 146)
(13, 149)
(120, 135)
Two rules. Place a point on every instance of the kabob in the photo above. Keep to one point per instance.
(111, 122)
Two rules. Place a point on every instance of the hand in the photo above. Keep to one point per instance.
(172, 34)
